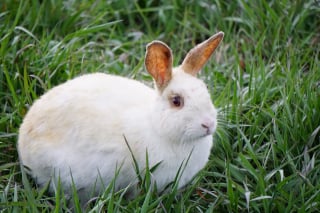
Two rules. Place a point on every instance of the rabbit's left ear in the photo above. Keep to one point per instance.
(158, 63)
(199, 55)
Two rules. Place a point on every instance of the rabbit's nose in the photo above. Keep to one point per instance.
(209, 126)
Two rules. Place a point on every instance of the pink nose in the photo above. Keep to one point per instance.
(209, 126)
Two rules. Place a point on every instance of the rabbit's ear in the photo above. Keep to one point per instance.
(199, 55)
(158, 63)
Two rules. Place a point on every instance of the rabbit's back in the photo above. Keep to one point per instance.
(78, 103)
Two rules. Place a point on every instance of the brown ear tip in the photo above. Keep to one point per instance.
(219, 34)
(156, 43)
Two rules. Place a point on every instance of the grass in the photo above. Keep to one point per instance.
(264, 78)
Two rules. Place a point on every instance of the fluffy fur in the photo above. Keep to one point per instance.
(77, 128)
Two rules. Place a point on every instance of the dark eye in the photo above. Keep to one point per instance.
(176, 101)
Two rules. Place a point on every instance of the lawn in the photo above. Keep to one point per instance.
(264, 79)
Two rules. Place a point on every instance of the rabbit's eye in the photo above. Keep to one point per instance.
(176, 101)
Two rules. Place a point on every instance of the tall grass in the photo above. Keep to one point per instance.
(264, 78)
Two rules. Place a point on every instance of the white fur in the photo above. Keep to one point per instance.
(78, 129)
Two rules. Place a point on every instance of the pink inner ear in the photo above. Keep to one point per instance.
(163, 66)
(209, 50)
(161, 78)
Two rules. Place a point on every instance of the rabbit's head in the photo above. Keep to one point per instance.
(183, 110)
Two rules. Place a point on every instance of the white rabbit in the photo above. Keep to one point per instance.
(77, 130)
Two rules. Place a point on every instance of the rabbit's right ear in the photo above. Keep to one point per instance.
(200, 54)
(158, 63)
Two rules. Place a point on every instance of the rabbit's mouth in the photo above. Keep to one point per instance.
(191, 134)
(187, 138)
(208, 133)
(209, 129)
(203, 135)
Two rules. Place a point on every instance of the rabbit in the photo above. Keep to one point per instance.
(87, 131)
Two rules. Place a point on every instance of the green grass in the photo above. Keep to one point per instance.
(264, 78)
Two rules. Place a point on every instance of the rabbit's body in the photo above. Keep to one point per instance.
(77, 131)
